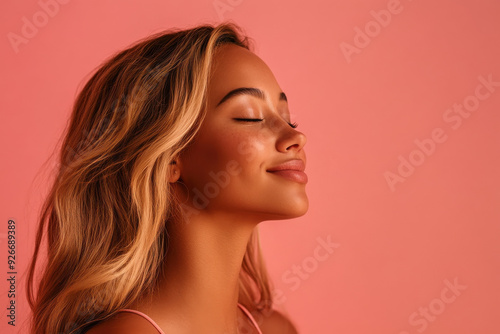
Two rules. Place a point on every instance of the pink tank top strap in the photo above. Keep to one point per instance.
(250, 317)
(145, 317)
(161, 332)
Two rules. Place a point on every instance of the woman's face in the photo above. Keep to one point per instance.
(227, 166)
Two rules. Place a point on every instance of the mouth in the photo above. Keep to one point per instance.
(292, 170)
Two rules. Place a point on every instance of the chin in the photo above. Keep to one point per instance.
(299, 212)
(290, 209)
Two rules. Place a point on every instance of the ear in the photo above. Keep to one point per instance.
(175, 171)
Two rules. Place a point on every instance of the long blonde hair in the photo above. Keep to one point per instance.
(106, 211)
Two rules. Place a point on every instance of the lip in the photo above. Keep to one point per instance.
(291, 169)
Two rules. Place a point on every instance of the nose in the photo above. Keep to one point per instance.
(290, 139)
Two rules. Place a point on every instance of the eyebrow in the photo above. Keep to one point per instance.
(248, 91)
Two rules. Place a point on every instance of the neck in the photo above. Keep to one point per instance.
(200, 278)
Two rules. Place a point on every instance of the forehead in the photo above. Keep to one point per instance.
(234, 67)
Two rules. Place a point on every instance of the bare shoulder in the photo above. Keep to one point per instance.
(123, 323)
(274, 322)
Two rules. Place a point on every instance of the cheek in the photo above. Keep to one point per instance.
(250, 150)
(242, 152)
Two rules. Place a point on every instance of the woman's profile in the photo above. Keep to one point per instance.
(176, 149)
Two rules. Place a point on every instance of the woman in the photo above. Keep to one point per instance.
(177, 148)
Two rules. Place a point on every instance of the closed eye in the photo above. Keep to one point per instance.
(248, 119)
(293, 125)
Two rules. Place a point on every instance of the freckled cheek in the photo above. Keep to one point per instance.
(250, 152)
(247, 149)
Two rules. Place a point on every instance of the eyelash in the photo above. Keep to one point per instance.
(293, 125)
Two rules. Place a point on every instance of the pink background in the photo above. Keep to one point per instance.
(396, 247)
